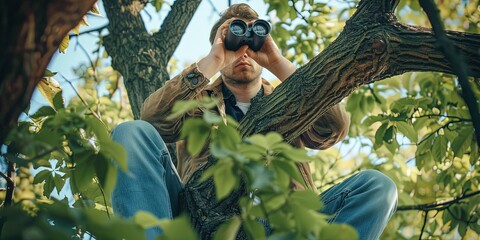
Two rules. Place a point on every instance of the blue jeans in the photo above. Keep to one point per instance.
(151, 183)
(366, 200)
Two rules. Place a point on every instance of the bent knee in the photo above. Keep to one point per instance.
(382, 186)
(134, 128)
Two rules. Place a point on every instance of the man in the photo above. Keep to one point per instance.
(366, 200)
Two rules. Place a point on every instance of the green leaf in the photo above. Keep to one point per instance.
(307, 199)
(439, 148)
(228, 230)
(297, 155)
(112, 150)
(474, 153)
(41, 176)
(58, 102)
(97, 127)
(42, 112)
(461, 143)
(338, 232)
(408, 131)
(259, 140)
(224, 179)
(59, 181)
(212, 118)
(388, 136)
(178, 229)
(228, 136)
(259, 175)
(49, 73)
(275, 202)
(146, 219)
(273, 138)
(290, 169)
(197, 132)
(49, 185)
(158, 5)
(254, 229)
(106, 174)
(379, 135)
(182, 107)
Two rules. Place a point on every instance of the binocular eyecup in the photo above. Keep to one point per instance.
(239, 34)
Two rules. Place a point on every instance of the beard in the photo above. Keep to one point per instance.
(242, 75)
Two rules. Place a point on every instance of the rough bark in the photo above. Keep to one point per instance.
(31, 33)
(373, 46)
(139, 56)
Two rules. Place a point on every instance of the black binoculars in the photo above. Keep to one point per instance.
(239, 33)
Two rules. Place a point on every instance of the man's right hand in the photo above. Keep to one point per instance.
(219, 56)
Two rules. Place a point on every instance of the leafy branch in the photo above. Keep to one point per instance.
(456, 59)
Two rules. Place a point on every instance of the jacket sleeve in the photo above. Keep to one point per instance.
(329, 129)
(158, 106)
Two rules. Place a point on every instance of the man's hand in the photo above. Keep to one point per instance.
(219, 56)
(269, 57)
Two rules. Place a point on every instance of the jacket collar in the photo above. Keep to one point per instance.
(216, 87)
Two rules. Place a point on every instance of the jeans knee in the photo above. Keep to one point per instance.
(384, 189)
(134, 128)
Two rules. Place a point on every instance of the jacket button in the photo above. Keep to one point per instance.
(194, 81)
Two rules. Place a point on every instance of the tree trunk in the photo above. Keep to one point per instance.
(140, 57)
(31, 33)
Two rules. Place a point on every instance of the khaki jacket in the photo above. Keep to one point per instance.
(191, 84)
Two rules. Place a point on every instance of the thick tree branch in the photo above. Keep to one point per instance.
(141, 58)
(31, 33)
(372, 47)
(174, 26)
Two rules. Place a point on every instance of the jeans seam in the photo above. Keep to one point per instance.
(163, 157)
(344, 196)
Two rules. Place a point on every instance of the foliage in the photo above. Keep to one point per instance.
(415, 128)
(267, 165)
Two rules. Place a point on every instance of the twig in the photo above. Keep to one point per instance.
(456, 60)
(441, 205)
(10, 178)
(83, 100)
(298, 12)
(445, 116)
(424, 224)
(214, 8)
(372, 91)
(441, 127)
(103, 196)
(99, 29)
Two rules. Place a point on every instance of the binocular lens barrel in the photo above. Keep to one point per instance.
(239, 33)
(238, 27)
(261, 27)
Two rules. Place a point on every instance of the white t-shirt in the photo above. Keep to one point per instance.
(243, 106)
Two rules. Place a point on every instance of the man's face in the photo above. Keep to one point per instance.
(244, 70)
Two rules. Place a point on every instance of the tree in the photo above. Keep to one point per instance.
(431, 115)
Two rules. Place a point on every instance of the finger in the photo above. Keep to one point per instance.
(222, 31)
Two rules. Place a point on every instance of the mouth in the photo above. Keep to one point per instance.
(242, 63)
